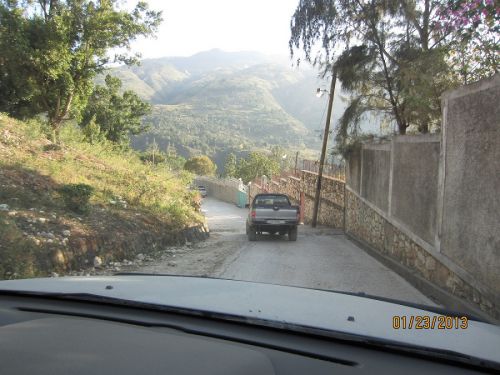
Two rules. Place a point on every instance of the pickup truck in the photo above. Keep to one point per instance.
(272, 213)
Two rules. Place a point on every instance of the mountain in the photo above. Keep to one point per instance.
(217, 102)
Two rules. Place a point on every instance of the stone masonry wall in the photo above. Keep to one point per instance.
(331, 208)
(365, 224)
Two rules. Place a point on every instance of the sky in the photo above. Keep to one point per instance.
(192, 26)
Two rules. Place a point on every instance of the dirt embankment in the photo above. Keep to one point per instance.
(135, 211)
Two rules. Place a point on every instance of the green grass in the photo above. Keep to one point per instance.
(111, 171)
(129, 198)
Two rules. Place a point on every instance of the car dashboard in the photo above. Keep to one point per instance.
(58, 336)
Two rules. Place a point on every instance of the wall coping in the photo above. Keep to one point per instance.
(483, 84)
(386, 146)
(324, 176)
(417, 138)
(459, 271)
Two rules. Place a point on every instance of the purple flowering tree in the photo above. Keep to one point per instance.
(473, 28)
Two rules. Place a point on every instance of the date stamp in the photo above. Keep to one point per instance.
(429, 322)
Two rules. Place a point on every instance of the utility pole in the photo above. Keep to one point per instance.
(296, 162)
(323, 151)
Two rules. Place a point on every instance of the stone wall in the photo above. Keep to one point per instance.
(367, 224)
(331, 207)
(431, 202)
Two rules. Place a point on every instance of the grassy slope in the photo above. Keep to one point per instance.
(156, 200)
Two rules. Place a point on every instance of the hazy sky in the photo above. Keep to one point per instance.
(192, 26)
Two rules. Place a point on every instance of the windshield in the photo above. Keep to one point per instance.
(271, 200)
(366, 135)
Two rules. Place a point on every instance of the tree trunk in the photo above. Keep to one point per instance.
(55, 126)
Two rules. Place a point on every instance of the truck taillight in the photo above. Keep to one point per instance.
(253, 213)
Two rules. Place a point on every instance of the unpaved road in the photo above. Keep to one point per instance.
(321, 258)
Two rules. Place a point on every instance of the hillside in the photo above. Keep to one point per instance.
(135, 208)
(215, 102)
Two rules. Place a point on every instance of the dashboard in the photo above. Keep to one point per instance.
(41, 335)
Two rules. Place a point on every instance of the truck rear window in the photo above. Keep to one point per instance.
(272, 200)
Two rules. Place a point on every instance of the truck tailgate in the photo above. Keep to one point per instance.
(275, 214)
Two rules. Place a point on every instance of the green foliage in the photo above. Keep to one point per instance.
(231, 110)
(230, 166)
(473, 29)
(77, 196)
(92, 132)
(169, 158)
(200, 165)
(53, 50)
(112, 115)
(255, 165)
(111, 171)
(393, 61)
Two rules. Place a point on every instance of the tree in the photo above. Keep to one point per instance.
(118, 116)
(200, 165)
(53, 50)
(255, 165)
(230, 166)
(386, 54)
(474, 28)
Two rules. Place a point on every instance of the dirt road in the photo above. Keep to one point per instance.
(321, 258)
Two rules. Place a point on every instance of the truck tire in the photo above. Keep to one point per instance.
(292, 234)
(252, 235)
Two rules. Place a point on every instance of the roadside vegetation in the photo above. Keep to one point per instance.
(82, 190)
(396, 58)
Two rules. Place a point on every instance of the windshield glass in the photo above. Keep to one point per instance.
(271, 200)
(141, 137)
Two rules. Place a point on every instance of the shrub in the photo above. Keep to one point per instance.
(77, 196)
(200, 165)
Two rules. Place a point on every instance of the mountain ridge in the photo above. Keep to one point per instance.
(219, 102)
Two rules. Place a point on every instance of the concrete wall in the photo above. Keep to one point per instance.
(375, 169)
(225, 190)
(470, 211)
(414, 193)
(353, 170)
(433, 202)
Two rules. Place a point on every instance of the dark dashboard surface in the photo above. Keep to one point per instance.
(44, 336)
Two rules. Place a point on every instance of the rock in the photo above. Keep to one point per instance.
(4, 207)
(54, 274)
(66, 233)
(58, 258)
(97, 261)
(50, 240)
(430, 263)
(112, 201)
(42, 220)
(64, 241)
(12, 213)
(172, 264)
(36, 241)
(140, 257)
